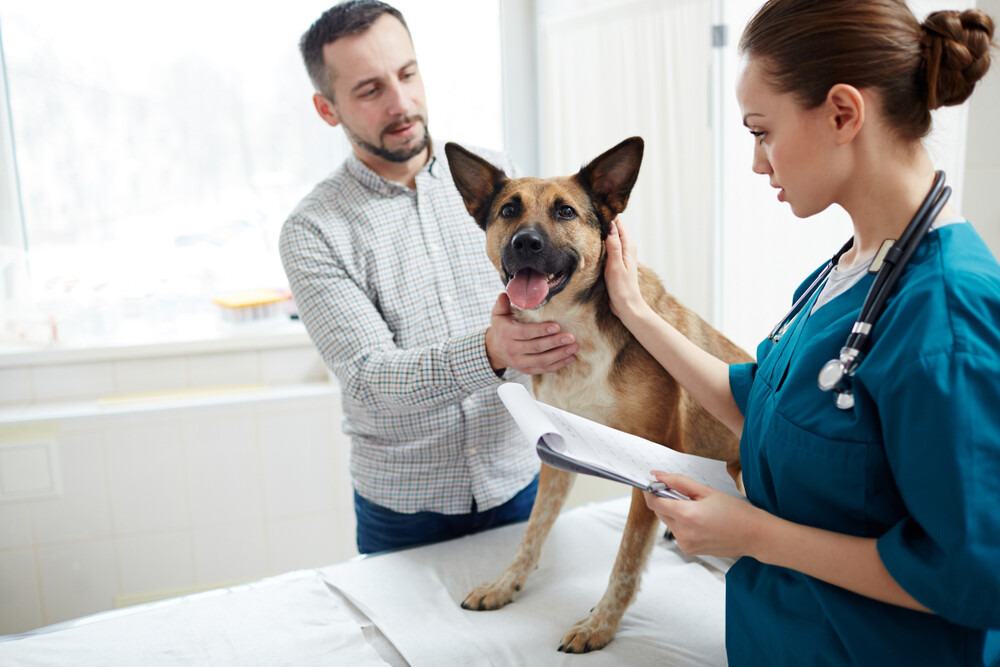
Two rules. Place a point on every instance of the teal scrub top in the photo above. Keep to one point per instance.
(915, 464)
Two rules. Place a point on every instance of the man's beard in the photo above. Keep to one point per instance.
(401, 155)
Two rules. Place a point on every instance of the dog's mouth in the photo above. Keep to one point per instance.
(529, 289)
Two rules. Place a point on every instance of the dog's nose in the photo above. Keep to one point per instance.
(528, 240)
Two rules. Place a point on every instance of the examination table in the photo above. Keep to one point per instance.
(402, 608)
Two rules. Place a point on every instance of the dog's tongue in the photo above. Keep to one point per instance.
(527, 289)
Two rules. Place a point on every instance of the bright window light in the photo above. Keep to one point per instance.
(159, 148)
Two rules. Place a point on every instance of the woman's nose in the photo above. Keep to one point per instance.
(760, 165)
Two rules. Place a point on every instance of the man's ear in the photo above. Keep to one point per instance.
(847, 111)
(609, 179)
(477, 180)
(326, 110)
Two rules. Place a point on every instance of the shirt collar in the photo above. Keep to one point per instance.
(434, 168)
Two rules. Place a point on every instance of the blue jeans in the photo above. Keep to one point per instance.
(381, 529)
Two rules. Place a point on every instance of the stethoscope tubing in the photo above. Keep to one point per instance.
(895, 260)
(835, 373)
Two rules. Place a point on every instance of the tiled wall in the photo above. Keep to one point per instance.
(171, 473)
(234, 470)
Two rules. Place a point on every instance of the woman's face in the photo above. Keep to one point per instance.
(792, 145)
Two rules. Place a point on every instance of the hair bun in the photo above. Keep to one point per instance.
(956, 50)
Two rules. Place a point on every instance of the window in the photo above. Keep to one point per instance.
(158, 149)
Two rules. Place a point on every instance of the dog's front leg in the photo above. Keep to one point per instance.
(598, 629)
(553, 487)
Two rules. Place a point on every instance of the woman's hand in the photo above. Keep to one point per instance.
(712, 523)
(621, 273)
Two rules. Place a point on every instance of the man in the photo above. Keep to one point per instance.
(392, 282)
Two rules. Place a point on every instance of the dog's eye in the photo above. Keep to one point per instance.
(507, 211)
(565, 213)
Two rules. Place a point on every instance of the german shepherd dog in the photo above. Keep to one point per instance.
(546, 238)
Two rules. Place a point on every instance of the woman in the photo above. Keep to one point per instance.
(873, 533)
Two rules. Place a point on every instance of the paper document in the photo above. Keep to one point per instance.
(570, 442)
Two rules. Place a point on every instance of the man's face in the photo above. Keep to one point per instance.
(378, 93)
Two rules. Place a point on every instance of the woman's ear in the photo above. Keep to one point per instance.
(847, 111)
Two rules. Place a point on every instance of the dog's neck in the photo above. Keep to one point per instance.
(589, 314)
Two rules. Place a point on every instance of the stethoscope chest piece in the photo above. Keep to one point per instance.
(889, 263)
(845, 400)
(831, 374)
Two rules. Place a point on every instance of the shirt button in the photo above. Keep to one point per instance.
(472, 451)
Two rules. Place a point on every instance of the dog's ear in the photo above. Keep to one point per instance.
(609, 178)
(477, 180)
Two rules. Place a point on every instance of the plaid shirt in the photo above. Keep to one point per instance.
(395, 290)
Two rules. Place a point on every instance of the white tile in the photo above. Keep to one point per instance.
(224, 369)
(65, 381)
(146, 475)
(292, 365)
(133, 376)
(15, 525)
(77, 579)
(297, 467)
(157, 562)
(20, 594)
(15, 385)
(230, 552)
(82, 511)
(223, 465)
(27, 468)
(309, 541)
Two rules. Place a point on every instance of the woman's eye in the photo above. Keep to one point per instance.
(759, 134)
(507, 211)
(566, 212)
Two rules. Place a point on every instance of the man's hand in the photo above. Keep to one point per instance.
(529, 347)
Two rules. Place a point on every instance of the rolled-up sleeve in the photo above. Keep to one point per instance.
(740, 378)
(943, 444)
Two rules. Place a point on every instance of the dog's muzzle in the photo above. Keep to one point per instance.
(534, 269)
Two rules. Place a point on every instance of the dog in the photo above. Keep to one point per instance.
(546, 239)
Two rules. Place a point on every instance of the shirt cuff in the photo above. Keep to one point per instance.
(469, 364)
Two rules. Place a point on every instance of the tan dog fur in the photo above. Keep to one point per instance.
(613, 379)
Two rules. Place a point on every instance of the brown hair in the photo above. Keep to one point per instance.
(351, 17)
(811, 45)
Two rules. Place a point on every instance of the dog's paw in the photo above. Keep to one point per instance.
(591, 634)
(490, 596)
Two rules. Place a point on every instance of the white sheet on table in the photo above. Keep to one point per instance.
(293, 619)
(413, 596)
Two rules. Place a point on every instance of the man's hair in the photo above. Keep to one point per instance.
(352, 17)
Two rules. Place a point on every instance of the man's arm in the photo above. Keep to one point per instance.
(358, 346)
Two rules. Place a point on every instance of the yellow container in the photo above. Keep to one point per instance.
(252, 306)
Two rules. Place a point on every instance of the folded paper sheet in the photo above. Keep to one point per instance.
(413, 597)
(292, 619)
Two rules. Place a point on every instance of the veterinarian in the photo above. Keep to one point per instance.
(390, 278)
(872, 535)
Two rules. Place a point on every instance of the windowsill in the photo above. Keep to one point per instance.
(193, 399)
(213, 336)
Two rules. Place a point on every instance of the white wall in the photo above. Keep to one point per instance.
(129, 479)
(765, 250)
(981, 203)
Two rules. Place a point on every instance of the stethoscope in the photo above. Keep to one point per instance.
(888, 263)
